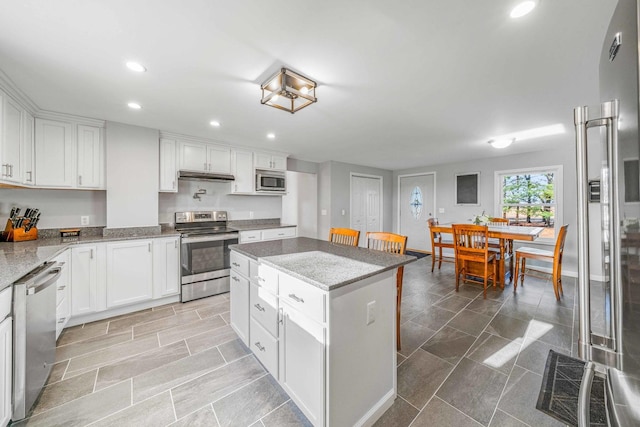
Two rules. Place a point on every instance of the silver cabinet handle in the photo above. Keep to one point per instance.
(149, 246)
(260, 347)
(296, 298)
(260, 279)
(281, 316)
(175, 244)
(30, 176)
(235, 264)
(61, 320)
(259, 307)
(280, 234)
(205, 165)
(235, 279)
(61, 288)
(91, 254)
(251, 238)
(11, 173)
(79, 179)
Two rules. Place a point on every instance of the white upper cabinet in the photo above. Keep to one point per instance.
(203, 157)
(68, 155)
(242, 170)
(168, 163)
(28, 155)
(269, 161)
(11, 161)
(55, 165)
(89, 157)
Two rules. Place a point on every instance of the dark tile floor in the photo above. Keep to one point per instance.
(464, 361)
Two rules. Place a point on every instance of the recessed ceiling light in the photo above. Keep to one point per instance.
(501, 143)
(134, 105)
(136, 66)
(271, 135)
(523, 8)
(215, 123)
(505, 140)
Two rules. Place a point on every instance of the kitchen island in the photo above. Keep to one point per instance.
(321, 318)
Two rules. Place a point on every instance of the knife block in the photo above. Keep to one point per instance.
(11, 234)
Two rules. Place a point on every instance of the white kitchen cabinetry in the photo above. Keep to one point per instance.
(84, 280)
(11, 141)
(6, 352)
(89, 157)
(249, 236)
(129, 272)
(63, 292)
(199, 156)
(242, 170)
(243, 272)
(168, 163)
(28, 157)
(269, 161)
(166, 267)
(55, 161)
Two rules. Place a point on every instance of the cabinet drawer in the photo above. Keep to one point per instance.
(264, 346)
(304, 297)
(268, 278)
(264, 308)
(240, 263)
(279, 233)
(5, 302)
(61, 292)
(250, 236)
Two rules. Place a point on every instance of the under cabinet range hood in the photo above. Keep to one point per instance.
(205, 176)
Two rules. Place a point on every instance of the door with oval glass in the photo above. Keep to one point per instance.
(416, 204)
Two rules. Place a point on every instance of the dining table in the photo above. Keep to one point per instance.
(505, 235)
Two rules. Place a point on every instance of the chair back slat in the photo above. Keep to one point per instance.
(387, 242)
(498, 222)
(344, 236)
(471, 242)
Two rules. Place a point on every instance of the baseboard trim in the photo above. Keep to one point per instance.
(101, 315)
(377, 410)
(569, 273)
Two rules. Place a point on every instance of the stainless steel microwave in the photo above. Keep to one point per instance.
(270, 181)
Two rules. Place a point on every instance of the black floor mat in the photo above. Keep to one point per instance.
(416, 254)
(560, 387)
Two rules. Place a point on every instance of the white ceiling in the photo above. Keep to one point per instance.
(401, 84)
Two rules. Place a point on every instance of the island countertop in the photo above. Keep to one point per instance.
(320, 263)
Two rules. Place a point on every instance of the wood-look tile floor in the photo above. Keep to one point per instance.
(465, 361)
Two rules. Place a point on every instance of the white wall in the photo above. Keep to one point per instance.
(217, 198)
(59, 208)
(300, 204)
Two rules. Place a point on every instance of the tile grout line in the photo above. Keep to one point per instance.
(410, 404)
(173, 404)
(214, 413)
(95, 381)
(274, 409)
(468, 416)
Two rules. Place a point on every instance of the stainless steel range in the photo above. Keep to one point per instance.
(204, 255)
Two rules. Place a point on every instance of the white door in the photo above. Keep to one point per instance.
(416, 204)
(300, 204)
(366, 209)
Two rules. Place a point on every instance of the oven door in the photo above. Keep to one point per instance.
(206, 257)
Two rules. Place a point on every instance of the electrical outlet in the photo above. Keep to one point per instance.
(343, 212)
(371, 312)
(84, 220)
(323, 212)
(441, 210)
(250, 214)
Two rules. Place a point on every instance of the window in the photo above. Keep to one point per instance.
(529, 198)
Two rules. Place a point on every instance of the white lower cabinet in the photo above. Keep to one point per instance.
(6, 370)
(63, 292)
(166, 267)
(84, 280)
(129, 272)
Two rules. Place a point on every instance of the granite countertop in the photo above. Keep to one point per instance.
(249, 227)
(17, 259)
(320, 263)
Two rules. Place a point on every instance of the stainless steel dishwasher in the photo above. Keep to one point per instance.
(34, 334)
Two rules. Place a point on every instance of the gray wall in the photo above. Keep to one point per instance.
(296, 165)
(563, 154)
(133, 171)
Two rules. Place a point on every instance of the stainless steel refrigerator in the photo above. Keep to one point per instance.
(608, 148)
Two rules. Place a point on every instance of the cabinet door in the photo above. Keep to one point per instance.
(168, 171)
(84, 280)
(262, 160)
(302, 362)
(11, 141)
(242, 162)
(54, 154)
(192, 156)
(28, 158)
(279, 162)
(240, 306)
(166, 264)
(129, 272)
(89, 157)
(219, 159)
(6, 370)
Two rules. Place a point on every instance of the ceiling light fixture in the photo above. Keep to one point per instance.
(136, 66)
(503, 141)
(271, 135)
(288, 91)
(523, 9)
(134, 105)
(215, 123)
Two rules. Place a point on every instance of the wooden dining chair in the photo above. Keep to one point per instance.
(395, 244)
(495, 243)
(344, 236)
(437, 244)
(471, 243)
(554, 257)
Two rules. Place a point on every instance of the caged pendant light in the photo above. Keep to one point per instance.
(288, 91)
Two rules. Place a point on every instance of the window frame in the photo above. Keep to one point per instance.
(558, 194)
